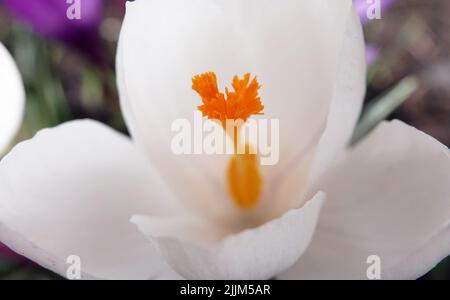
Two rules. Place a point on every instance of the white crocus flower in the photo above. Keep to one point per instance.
(72, 190)
(12, 99)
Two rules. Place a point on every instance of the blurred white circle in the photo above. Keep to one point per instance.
(12, 98)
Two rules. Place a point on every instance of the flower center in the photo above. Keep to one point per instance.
(243, 176)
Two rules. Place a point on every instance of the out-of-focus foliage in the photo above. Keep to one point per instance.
(413, 38)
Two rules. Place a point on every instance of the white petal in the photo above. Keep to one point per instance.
(149, 119)
(390, 197)
(198, 251)
(71, 191)
(344, 112)
(12, 98)
(295, 49)
(292, 48)
(347, 100)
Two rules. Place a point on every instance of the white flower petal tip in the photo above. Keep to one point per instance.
(389, 196)
(71, 191)
(258, 253)
(12, 98)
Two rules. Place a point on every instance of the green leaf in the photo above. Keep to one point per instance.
(383, 106)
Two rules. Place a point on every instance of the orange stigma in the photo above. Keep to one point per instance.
(239, 104)
(243, 175)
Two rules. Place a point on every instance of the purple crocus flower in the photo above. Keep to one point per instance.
(49, 18)
(372, 54)
(5, 252)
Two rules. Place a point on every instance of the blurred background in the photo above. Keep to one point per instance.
(68, 71)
